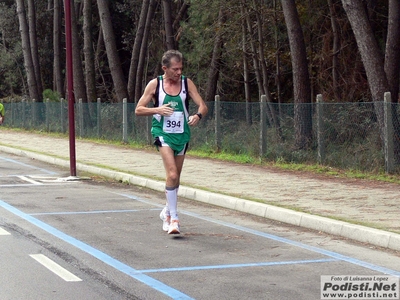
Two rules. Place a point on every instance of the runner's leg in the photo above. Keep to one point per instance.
(173, 167)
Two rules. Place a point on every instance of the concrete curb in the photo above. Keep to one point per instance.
(359, 233)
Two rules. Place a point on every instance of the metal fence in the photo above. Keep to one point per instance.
(344, 135)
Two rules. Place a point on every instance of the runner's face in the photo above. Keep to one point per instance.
(174, 72)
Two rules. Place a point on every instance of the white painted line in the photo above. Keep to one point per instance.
(3, 232)
(54, 267)
(29, 180)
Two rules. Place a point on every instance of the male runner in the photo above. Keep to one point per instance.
(171, 126)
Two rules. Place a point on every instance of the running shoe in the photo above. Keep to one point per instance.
(165, 218)
(174, 227)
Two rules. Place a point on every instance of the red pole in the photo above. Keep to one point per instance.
(70, 78)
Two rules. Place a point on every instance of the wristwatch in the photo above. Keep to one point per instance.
(199, 115)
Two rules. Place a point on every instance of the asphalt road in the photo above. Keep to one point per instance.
(86, 239)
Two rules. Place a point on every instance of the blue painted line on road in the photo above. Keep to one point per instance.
(332, 254)
(139, 199)
(19, 185)
(153, 283)
(264, 264)
(32, 185)
(26, 165)
(328, 253)
(84, 212)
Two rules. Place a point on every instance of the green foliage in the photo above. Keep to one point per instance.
(52, 96)
(195, 36)
(197, 39)
(11, 72)
(11, 62)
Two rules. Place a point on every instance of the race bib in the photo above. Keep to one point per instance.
(174, 123)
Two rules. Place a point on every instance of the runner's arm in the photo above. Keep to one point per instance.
(141, 107)
(202, 107)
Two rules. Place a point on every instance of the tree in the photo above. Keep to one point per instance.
(136, 49)
(335, 49)
(278, 74)
(57, 71)
(112, 52)
(213, 73)
(253, 51)
(301, 78)
(12, 79)
(392, 53)
(88, 51)
(263, 65)
(367, 45)
(246, 73)
(377, 67)
(29, 69)
(34, 45)
(169, 31)
(334, 62)
(144, 49)
(182, 12)
(79, 78)
(392, 67)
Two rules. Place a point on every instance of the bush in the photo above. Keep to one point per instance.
(51, 95)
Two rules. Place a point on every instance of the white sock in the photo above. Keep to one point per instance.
(166, 209)
(172, 200)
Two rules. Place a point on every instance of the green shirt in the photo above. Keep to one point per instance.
(1, 109)
(174, 129)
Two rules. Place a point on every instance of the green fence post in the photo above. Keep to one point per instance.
(62, 122)
(388, 134)
(12, 112)
(263, 126)
(46, 111)
(34, 113)
(80, 117)
(98, 117)
(217, 123)
(320, 129)
(23, 113)
(125, 120)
